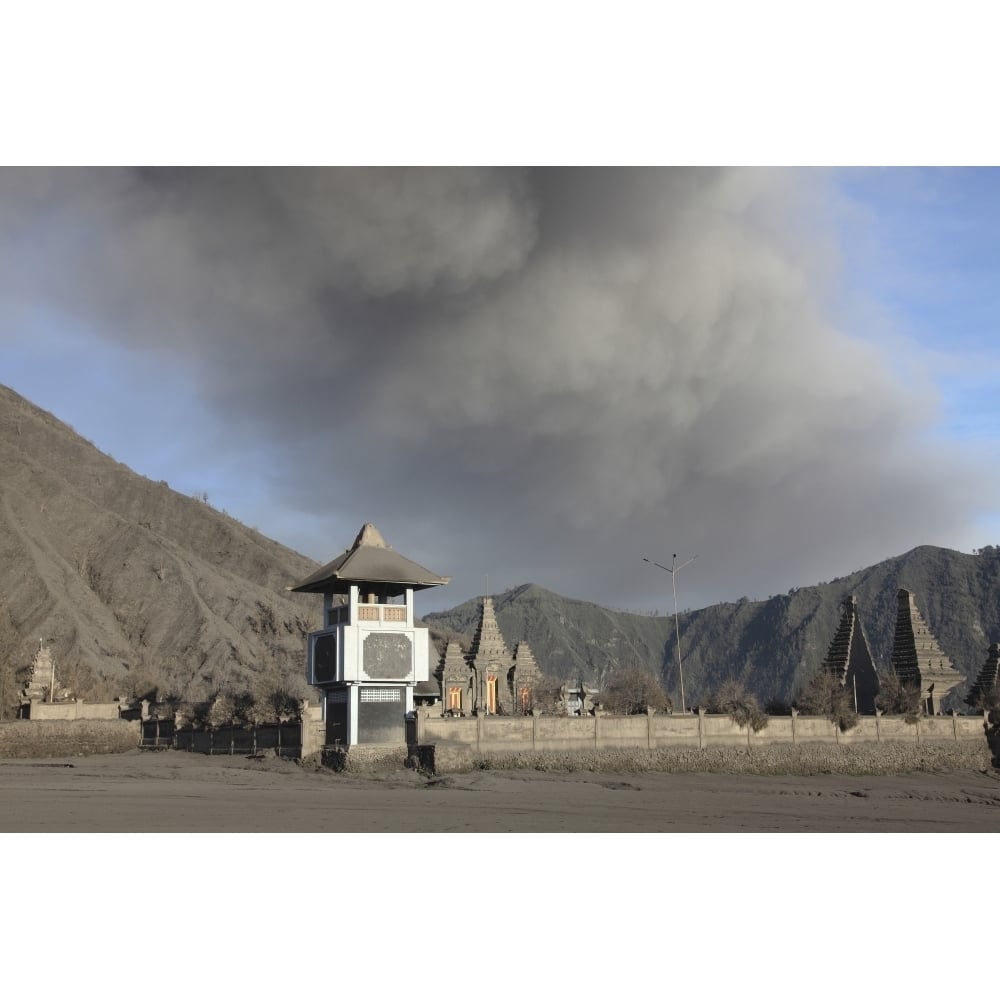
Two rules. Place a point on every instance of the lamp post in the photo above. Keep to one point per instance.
(673, 569)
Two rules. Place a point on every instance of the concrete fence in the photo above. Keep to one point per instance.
(541, 733)
(67, 737)
(44, 711)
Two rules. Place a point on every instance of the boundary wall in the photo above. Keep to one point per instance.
(304, 737)
(771, 759)
(549, 733)
(67, 737)
(43, 711)
(285, 739)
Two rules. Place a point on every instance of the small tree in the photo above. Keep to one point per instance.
(221, 711)
(632, 691)
(274, 701)
(733, 699)
(825, 695)
(896, 698)
(80, 679)
(141, 683)
(246, 710)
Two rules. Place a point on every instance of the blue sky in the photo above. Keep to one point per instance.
(905, 263)
(926, 252)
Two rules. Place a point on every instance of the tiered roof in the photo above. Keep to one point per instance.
(526, 666)
(989, 676)
(488, 643)
(849, 658)
(916, 656)
(849, 645)
(368, 560)
(453, 667)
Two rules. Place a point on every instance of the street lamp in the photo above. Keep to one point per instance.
(673, 569)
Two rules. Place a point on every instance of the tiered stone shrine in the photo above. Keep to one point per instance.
(527, 677)
(43, 684)
(489, 680)
(988, 678)
(491, 661)
(457, 690)
(849, 659)
(917, 659)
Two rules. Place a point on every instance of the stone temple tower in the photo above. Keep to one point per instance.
(917, 658)
(850, 659)
(498, 682)
(491, 661)
(989, 676)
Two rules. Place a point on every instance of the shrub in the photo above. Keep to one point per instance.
(633, 691)
(221, 712)
(825, 695)
(733, 699)
(272, 702)
(896, 698)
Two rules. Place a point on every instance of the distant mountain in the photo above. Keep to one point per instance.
(121, 574)
(774, 646)
(124, 576)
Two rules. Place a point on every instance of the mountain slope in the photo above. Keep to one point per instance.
(774, 646)
(123, 576)
(120, 574)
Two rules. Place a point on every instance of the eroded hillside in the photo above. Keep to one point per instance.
(121, 574)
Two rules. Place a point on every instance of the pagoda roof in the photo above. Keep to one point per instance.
(368, 560)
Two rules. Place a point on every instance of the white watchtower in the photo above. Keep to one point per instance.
(369, 654)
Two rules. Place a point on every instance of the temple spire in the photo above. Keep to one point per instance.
(917, 659)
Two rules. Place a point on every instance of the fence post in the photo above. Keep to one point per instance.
(701, 728)
(954, 723)
(878, 727)
(795, 713)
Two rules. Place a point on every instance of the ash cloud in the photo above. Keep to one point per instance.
(533, 374)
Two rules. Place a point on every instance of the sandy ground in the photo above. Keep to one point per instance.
(175, 792)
